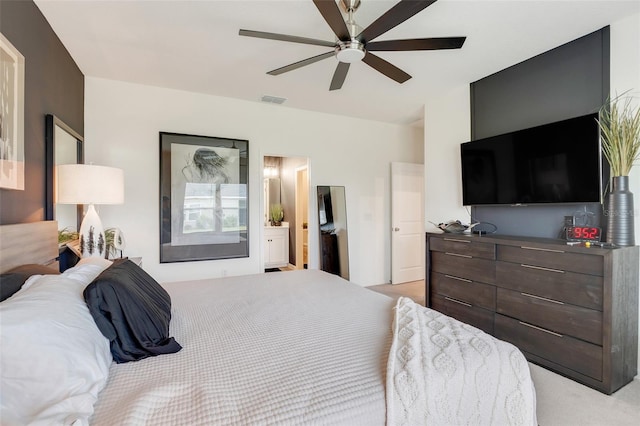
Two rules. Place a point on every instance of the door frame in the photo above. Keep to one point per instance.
(299, 216)
(262, 200)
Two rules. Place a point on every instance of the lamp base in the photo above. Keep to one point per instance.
(92, 240)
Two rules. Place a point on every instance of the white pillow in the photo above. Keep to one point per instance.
(54, 360)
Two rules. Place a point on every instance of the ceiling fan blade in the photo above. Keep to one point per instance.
(331, 13)
(339, 75)
(417, 44)
(284, 37)
(302, 63)
(399, 13)
(385, 68)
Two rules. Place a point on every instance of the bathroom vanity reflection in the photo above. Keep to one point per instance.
(332, 215)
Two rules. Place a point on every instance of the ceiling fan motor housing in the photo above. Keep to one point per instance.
(350, 51)
(350, 5)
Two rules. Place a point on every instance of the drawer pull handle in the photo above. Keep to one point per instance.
(458, 302)
(459, 255)
(541, 329)
(456, 240)
(541, 249)
(542, 298)
(458, 278)
(559, 271)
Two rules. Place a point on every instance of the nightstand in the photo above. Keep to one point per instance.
(67, 258)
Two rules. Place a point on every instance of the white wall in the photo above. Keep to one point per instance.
(447, 124)
(122, 122)
(625, 76)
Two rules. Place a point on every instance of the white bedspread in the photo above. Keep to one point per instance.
(444, 372)
(301, 347)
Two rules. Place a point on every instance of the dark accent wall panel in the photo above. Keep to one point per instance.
(53, 85)
(568, 81)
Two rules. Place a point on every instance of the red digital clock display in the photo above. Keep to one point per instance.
(583, 233)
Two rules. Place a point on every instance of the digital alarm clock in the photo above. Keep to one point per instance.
(583, 233)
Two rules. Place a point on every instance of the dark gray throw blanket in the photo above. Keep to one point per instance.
(132, 310)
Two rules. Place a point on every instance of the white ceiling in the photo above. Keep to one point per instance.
(195, 46)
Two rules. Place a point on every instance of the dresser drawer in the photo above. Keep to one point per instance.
(551, 258)
(569, 287)
(580, 356)
(472, 315)
(462, 289)
(576, 321)
(462, 266)
(463, 246)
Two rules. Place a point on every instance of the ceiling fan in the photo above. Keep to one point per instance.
(354, 43)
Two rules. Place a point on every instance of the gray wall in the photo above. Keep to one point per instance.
(53, 85)
(568, 81)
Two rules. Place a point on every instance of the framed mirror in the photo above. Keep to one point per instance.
(63, 146)
(334, 241)
(272, 188)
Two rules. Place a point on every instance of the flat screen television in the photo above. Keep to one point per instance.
(559, 162)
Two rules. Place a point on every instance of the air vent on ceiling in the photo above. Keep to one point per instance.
(273, 99)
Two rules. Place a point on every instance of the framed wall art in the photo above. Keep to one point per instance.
(11, 116)
(204, 212)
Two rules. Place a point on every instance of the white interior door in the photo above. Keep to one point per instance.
(407, 222)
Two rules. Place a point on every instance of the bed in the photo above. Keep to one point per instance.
(299, 347)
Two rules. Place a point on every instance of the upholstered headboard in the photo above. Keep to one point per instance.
(35, 242)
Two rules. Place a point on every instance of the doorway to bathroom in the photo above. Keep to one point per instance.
(286, 213)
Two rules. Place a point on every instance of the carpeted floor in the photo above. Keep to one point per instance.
(563, 402)
(413, 290)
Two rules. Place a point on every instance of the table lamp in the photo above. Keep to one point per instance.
(90, 184)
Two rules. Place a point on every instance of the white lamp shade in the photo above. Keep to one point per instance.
(89, 184)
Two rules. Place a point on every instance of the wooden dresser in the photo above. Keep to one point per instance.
(571, 309)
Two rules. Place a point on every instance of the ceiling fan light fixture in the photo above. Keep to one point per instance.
(350, 52)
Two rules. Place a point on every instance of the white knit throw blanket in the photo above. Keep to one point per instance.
(444, 372)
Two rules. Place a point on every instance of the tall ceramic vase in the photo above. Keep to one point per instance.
(620, 213)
